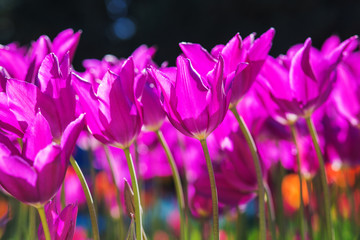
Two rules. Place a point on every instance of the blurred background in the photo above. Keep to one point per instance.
(120, 26)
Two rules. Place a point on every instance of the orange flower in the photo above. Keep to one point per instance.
(290, 188)
(341, 176)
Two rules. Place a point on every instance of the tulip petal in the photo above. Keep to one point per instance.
(71, 134)
(18, 178)
(202, 61)
(261, 46)
(66, 222)
(90, 105)
(302, 80)
(7, 147)
(233, 54)
(127, 76)
(49, 75)
(25, 99)
(191, 90)
(335, 56)
(39, 50)
(8, 121)
(120, 114)
(13, 62)
(142, 56)
(50, 170)
(64, 42)
(37, 136)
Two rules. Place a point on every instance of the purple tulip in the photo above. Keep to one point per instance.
(237, 54)
(148, 95)
(235, 176)
(112, 113)
(96, 69)
(302, 81)
(24, 64)
(195, 104)
(346, 92)
(53, 96)
(61, 226)
(340, 136)
(34, 175)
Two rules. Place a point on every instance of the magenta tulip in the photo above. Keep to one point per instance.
(237, 54)
(112, 113)
(23, 64)
(53, 95)
(61, 225)
(195, 104)
(34, 175)
(302, 81)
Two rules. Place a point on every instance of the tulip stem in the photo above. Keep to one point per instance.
(44, 222)
(301, 210)
(271, 211)
(138, 218)
(255, 157)
(22, 211)
(214, 196)
(325, 188)
(89, 199)
(62, 195)
(177, 182)
(32, 222)
(120, 220)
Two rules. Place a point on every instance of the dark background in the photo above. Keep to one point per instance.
(120, 26)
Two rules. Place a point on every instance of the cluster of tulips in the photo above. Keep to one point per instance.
(231, 127)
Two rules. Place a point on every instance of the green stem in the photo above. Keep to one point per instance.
(89, 199)
(21, 222)
(301, 210)
(309, 212)
(350, 196)
(62, 196)
(120, 220)
(241, 227)
(138, 218)
(271, 211)
(177, 182)
(325, 188)
(214, 196)
(259, 177)
(32, 222)
(92, 175)
(280, 217)
(44, 222)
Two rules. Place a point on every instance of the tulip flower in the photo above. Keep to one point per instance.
(112, 113)
(302, 81)
(113, 116)
(148, 95)
(195, 104)
(299, 83)
(61, 225)
(36, 174)
(235, 53)
(23, 64)
(346, 89)
(235, 176)
(238, 54)
(53, 96)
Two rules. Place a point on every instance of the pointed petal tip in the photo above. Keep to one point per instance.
(308, 41)
(271, 32)
(184, 43)
(181, 59)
